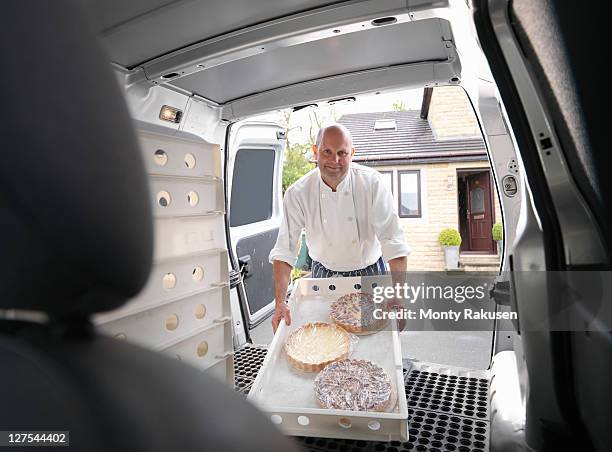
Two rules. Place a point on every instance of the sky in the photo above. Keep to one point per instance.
(301, 121)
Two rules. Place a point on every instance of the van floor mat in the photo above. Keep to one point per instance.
(247, 362)
(448, 408)
(447, 390)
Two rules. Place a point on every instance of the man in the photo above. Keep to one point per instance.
(347, 212)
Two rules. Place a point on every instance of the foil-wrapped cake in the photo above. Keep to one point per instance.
(316, 344)
(353, 384)
(355, 313)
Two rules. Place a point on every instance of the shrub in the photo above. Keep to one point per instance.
(449, 237)
(497, 232)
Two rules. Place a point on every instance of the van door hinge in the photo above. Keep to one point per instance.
(500, 291)
(235, 278)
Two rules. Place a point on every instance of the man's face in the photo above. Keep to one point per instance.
(335, 155)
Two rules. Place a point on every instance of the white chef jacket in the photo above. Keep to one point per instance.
(347, 229)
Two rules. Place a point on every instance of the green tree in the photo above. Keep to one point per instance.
(398, 105)
(296, 163)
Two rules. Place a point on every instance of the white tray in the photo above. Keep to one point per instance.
(287, 394)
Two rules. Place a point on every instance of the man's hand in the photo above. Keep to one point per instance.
(397, 306)
(281, 312)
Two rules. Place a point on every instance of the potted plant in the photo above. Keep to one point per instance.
(498, 235)
(450, 240)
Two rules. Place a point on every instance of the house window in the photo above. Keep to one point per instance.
(387, 177)
(409, 194)
(252, 187)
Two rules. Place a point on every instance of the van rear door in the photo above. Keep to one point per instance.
(254, 192)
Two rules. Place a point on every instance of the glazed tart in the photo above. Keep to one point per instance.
(353, 384)
(316, 344)
(355, 313)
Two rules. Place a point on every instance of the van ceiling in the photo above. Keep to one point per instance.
(136, 31)
(378, 47)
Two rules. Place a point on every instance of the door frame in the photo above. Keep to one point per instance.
(459, 171)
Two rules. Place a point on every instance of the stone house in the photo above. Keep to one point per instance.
(436, 165)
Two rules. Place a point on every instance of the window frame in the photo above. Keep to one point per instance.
(399, 193)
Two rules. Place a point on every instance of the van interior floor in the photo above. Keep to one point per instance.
(448, 407)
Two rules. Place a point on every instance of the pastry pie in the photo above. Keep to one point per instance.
(353, 384)
(316, 344)
(355, 313)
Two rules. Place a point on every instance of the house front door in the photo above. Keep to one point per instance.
(479, 212)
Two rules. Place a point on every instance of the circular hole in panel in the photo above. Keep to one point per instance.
(481, 424)
(345, 422)
(428, 427)
(193, 199)
(172, 322)
(200, 311)
(450, 447)
(420, 413)
(481, 415)
(197, 273)
(332, 287)
(374, 425)
(315, 288)
(455, 419)
(190, 161)
(203, 349)
(426, 434)
(479, 437)
(276, 419)
(416, 425)
(430, 421)
(479, 444)
(374, 285)
(303, 420)
(169, 281)
(163, 198)
(120, 336)
(357, 286)
(160, 157)
(423, 441)
(413, 431)
(418, 449)
(466, 442)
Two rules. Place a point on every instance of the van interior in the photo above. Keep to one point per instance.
(137, 289)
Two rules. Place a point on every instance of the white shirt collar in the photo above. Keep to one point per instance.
(342, 186)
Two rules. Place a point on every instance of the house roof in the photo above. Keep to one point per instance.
(413, 140)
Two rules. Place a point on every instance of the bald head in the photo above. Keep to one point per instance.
(333, 152)
(335, 128)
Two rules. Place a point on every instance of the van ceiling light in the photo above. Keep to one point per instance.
(170, 114)
(384, 21)
(385, 124)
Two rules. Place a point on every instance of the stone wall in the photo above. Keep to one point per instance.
(451, 114)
